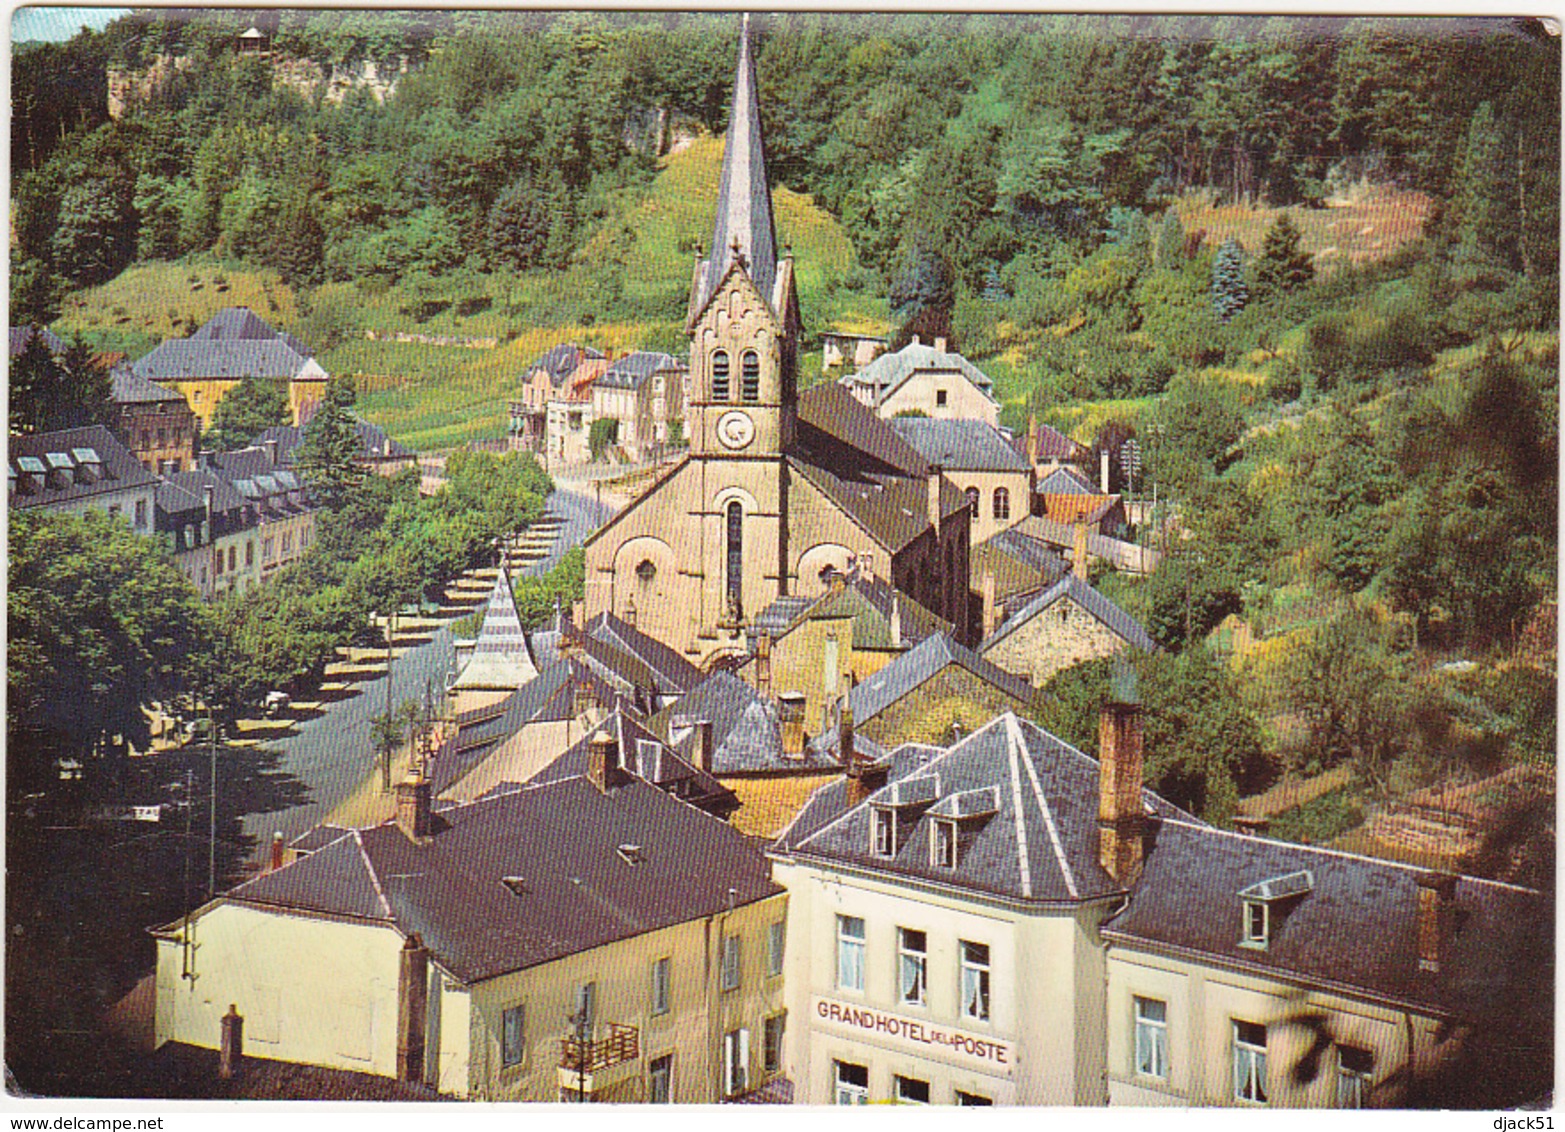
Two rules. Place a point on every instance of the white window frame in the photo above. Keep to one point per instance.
(848, 1092)
(942, 844)
(1257, 928)
(1353, 1084)
(851, 953)
(1249, 1066)
(731, 972)
(976, 975)
(965, 1099)
(776, 943)
(736, 1062)
(662, 983)
(912, 967)
(1151, 1049)
(900, 1081)
(512, 1056)
(883, 831)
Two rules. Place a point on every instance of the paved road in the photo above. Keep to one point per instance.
(331, 754)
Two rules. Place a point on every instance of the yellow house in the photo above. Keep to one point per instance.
(231, 346)
(591, 937)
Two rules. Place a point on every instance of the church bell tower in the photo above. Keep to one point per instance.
(743, 318)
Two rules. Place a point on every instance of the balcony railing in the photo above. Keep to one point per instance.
(620, 1044)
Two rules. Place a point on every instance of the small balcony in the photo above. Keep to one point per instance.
(590, 1063)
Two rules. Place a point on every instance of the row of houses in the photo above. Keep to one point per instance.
(569, 387)
(674, 892)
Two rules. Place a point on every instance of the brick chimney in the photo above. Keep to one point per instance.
(1120, 815)
(790, 714)
(846, 755)
(1032, 440)
(934, 497)
(603, 765)
(704, 745)
(412, 1007)
(1079, 552)
(277, 850)
(990, 611)
(415, 813)
(1436, 918)
(231, 1042)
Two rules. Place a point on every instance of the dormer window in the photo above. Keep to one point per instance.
(1265, 905)
(943, 850)
(1255, 924)
(885, 832)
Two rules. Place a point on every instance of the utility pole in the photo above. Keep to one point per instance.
(385, 761)
(187, 970)
(211, 850)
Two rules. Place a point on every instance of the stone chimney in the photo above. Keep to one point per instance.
(763, 663)
(1103, 469)
(1436, 918)
(1120, 816)
(934, 497)
(415, 813)
(231, 1042)
(991, 611)
(412, 1006)
(790, 714)
(207, 493)
(1032, 440)
(277, 850)
(895, 627)
(1079, 552)
(603, 765)
(916, 341)
(704, 745)
(845, 752)
(271, 451)
(940, 345)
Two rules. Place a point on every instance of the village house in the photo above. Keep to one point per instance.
(182, 522)
(234, 344)
(155, 423)
(588, 938)
(814, 648)
(927, 892)
(568, 414)
(228, 540)
(80, 469)
(1084, 539)
(1011, 563)
(378, 452)
(541, 383)
(981, 462)
(1047, 448)
(839, 348)
(1065, 625)
(928, 380)
(284, 523)
(777, 486)
(643, 391)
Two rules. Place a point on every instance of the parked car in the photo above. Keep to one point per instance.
(276, 702)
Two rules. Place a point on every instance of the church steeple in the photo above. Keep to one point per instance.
(744, 201)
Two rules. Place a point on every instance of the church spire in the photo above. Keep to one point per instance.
(743, 230)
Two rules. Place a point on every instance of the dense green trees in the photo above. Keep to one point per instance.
(48, 392)
(246, 411)
(330, 452)
(1283, 265)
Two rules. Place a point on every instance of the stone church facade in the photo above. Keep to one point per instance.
(778, 489)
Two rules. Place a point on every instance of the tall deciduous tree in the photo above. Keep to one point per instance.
(246, 411)
(330, 451)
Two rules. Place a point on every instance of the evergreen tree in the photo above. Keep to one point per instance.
(1483, 205)
(246, 411)
(1284, 265)
(1229, 291)
(329, 453)
(49, 392)
(1170, 241)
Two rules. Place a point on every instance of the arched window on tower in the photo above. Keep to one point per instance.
(751, 388)
(972, 505)
(735, 516)
(720, 375)
(1002, 503)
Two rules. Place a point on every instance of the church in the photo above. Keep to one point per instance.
(779, 489)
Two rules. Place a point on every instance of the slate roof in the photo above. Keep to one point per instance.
(558, 843)
(172, 499)
(1052, 443)
(559, 362)
(62, 479)
(1066, 481)
(128, 388)
(779, 616)
(744, 201)
(867, 600)
(372, 441)
(889, 372)
(831, 420)
(1029, 552)
(746, 734)
(500, 658)
(22, 335)
(1122, 624)
(960, 445)
(225, 497)
(674, 673)
(1356, 927)
(915, 667)
(632, 370)
(893, 509)
(177, 1071)
(234, 343)
(1039, 844)
(646, 755)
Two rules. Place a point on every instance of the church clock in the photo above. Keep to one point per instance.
(735, 429)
